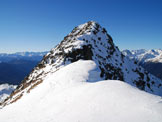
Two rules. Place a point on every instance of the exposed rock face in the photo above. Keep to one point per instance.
(89, 42)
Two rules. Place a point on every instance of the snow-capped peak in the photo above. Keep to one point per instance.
(89, 41)
(68, 96)
(142, 55)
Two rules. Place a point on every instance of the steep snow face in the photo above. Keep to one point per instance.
(145, 55)
(89, 41)
(71, 95)
(5, 91)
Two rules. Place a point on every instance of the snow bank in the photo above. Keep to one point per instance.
(70, 95)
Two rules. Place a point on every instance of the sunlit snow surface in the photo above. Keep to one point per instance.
(88, 41)
(142, 55)
(70, 95)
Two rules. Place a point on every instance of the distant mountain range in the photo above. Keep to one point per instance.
(142, 55)
(151, 60)
(14, 67)
(32, 56)
(18, 65)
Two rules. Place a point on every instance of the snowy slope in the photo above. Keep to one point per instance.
(88, 41)
(72, 95)
(154, 55)
(85, 78)
(5, 91)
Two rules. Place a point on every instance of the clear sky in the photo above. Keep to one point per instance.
(38, 25)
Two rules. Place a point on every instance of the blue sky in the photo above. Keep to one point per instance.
(38, 25)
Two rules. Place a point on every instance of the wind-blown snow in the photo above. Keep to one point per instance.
(70, 95)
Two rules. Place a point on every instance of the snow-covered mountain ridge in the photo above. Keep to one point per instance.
(142, 55)
(88, 42)
(70, 95)
(6, 90)
(151, 60)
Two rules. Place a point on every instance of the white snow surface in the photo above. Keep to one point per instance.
(142, 55)
(5, 91)
(75, 93)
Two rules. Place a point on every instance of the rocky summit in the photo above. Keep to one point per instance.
(88, 41)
